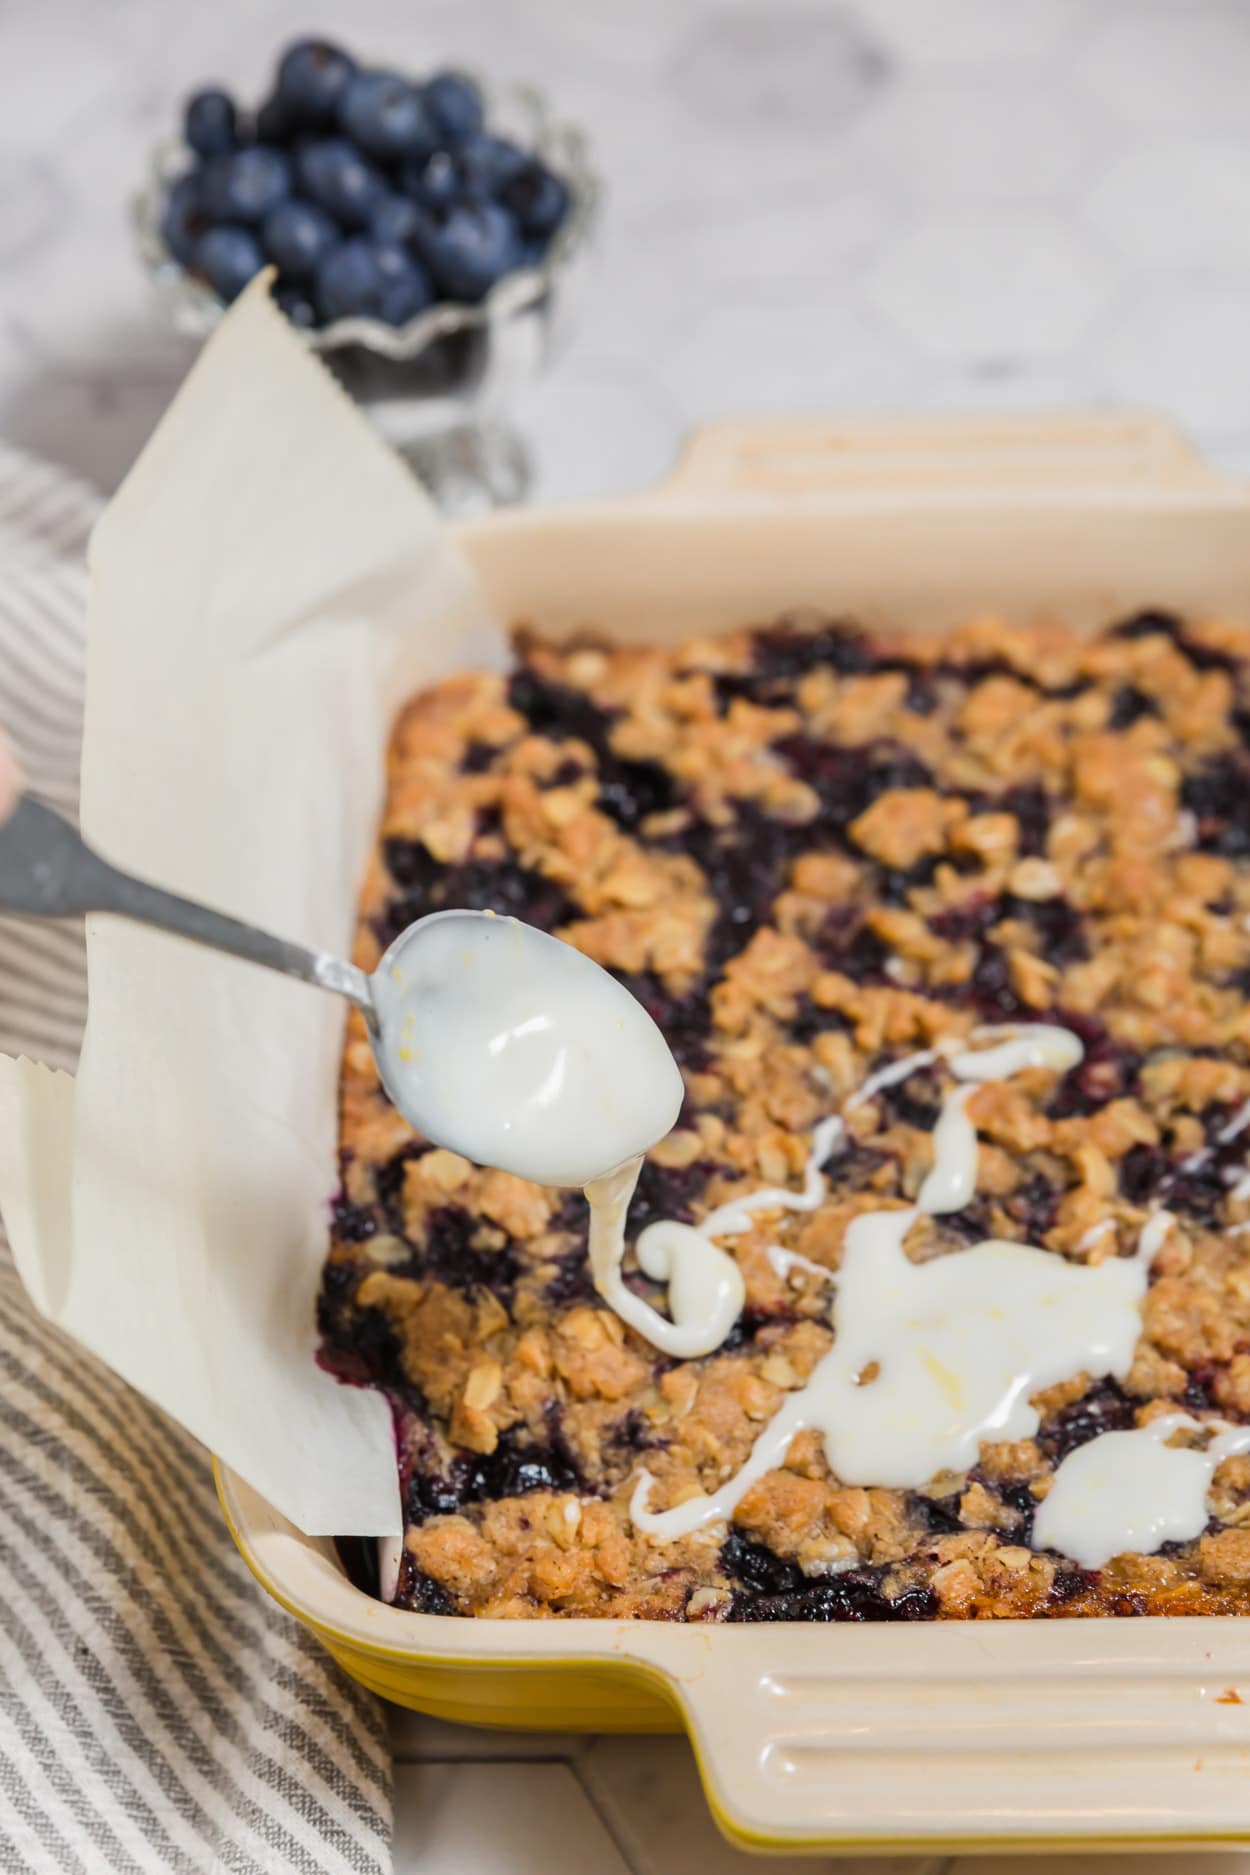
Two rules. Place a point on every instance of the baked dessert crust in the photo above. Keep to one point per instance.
(809, 851)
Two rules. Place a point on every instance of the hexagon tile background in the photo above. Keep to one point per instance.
(873, 205)
(814, 209)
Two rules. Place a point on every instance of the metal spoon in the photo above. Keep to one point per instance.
(47, 870)
(536, 1054)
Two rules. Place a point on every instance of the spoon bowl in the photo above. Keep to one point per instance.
(491, 1037)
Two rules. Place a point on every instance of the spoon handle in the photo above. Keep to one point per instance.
(47, 870)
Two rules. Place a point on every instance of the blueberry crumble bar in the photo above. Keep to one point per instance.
(810, 853)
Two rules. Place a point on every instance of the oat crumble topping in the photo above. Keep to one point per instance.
(809, 851)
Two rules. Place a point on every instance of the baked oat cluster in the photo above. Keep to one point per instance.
(809, 852)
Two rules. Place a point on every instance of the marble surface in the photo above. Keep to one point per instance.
(865, 206)
(814, 208)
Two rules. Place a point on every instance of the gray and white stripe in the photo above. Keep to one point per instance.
(157, 1712)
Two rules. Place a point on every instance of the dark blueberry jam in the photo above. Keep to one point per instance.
(446, 1252)
(1129, 705)
(1166, 625)
(628, 791)
(1218, 796)
(419, 1592)
(774, 1590)
(476, 885)
(849, 780)
(1105, 1408)
(668, 1191)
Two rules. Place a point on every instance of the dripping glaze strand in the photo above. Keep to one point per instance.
(957, 1345)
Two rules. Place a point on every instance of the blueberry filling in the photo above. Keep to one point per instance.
(628, 791)
(1033, 1206)
(991, 989)
(895, 885)
(771, 1589)
(972, 919)
(1199, 1394)
(938, 1516)
(1105, 1408)
(1020, 1499)
(477, 758)
(352, 1223)
(419, 1592)
(515, 1468)
(359, 1345)
(572, 1282)
(668, 1191)
(748, 1325)
(1069, 1585)
(746, 866)
(781, 654)
(1218, 796)
(849, 780)
(1106, 1072)
(846, 943)
(1030, 805)
(906, 1103)
(1060, 931)
(1166, 625)
(810, 1020)
(634, 1434)
(1153, 1175)
(1129, 705)
(476, 885)
(994, 995)
(448, 1251)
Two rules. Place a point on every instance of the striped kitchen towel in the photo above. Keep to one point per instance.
(157, 1711)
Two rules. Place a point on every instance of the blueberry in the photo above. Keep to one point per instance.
(395, 221)
(183, 221)
(455, 103)
(386, 116)
(489, 162)
(210, 125)
(312, 77)
(214, 181)
(350, 283)
(406, 287)
(274, 122)
(538, 198)
(246, 185)
(296, 304)
(298, 236)
(333, 173)
(475, 246)
(228, 258)
(433, 181)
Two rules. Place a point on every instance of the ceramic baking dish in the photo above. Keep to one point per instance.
(882, 1737)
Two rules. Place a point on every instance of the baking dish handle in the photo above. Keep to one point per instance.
(910, 1739)
(978, 456)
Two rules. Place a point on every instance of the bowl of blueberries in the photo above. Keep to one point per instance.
(425, 235)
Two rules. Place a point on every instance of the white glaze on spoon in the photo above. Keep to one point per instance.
(1129, 1491)
(515, 1050)
(958, 1344)
(512, 1048)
